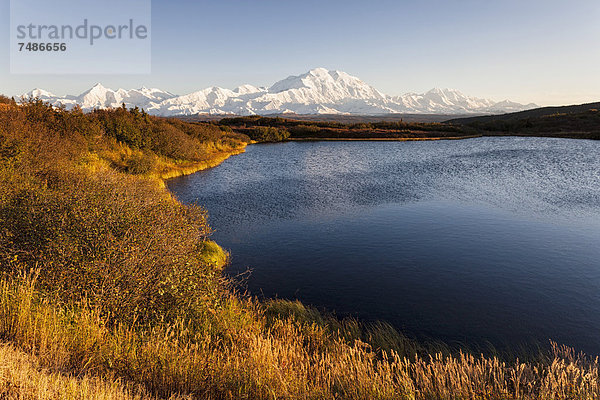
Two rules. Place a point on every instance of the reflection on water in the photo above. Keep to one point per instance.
(491, 239)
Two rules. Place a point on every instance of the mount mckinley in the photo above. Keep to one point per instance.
(318, 91)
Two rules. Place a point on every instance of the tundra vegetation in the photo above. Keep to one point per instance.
(110, 288)
(578, 122)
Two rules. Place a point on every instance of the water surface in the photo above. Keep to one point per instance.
(490, 239)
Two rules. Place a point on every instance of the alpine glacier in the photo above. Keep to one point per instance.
(318, 91)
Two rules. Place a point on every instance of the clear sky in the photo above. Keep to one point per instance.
(542, 51)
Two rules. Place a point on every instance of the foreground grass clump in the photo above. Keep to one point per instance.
(111, 287)
(21, 377)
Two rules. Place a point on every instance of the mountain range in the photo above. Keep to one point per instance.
(319, 91)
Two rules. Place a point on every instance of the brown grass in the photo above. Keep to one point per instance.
(284, 359)
(22, 377)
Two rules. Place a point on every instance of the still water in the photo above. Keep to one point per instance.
(481, 240)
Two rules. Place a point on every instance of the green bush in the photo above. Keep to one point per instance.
(268, 134)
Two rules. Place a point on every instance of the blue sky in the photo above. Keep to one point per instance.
(547, 52)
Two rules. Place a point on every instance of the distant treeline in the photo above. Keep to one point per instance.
(572, 122)
(276, 129)
(581, 122)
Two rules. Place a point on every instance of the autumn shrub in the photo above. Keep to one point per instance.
(268, 134)
(140, 163)
(116, 240)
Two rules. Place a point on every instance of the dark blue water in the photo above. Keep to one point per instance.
(491, 239)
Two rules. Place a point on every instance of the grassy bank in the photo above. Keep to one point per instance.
(111, 288)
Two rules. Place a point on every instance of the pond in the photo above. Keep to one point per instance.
(481, 240)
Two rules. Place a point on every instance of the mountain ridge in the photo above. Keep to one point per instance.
(318, 91)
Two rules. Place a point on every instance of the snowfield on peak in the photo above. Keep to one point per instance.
(319, 91)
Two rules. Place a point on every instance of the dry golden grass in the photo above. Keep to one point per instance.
(171, 170)
(22, 377)
(121, 156)
(247, 359)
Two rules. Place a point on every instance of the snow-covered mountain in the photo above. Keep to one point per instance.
(318, 91)
(100, 97)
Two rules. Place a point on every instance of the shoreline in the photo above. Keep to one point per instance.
(176, 171)
(218, 256)
(415, 139)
